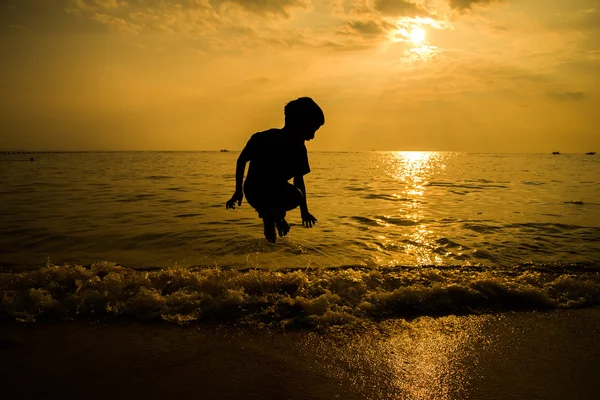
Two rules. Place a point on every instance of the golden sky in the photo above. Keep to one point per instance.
(456, 75)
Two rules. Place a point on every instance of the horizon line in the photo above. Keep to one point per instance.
(22, 151)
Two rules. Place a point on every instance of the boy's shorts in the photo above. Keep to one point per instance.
(284, 197)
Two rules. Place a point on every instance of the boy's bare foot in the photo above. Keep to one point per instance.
(269, 230)
(282, 227)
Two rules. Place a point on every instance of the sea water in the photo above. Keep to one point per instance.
(398, 233)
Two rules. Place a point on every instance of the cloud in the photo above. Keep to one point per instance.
(468, 4)
(585, 20)
(82, 7)
(399, 8)
(196, 17)
(94, 4)
(140, 16)
(368, 28)
(108, 3)
(567, 96)
(118, 24)
(267, 7)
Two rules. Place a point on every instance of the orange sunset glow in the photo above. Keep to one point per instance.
(405, 75)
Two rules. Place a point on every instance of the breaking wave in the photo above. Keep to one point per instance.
(311, 298)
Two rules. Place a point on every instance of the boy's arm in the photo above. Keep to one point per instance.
(239, 179)
(299, 183)
(239, 172)
(307, 219)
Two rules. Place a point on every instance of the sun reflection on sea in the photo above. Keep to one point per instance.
(431, 357)
(411, 171)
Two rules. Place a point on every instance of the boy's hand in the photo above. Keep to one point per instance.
(237, 197)
(307, 219)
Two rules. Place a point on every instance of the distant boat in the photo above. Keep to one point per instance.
(556, 152)
(224, 151)
(591, 153)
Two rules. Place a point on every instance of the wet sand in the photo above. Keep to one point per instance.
(553, 355)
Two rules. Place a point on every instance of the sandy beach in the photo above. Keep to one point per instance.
(526, 355)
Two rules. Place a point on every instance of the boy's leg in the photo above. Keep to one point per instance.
(291, 197)
(283, 228)
(272, 205)
(274, 218)
(260, 199)
(269, 229)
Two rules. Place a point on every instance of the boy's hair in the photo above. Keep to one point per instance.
(303, 111)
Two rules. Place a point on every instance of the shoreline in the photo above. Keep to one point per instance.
(511, 355)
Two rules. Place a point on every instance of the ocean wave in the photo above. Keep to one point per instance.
(484, 184)
(313, 298)
(388, 197)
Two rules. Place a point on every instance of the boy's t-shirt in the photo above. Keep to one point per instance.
(275, 158)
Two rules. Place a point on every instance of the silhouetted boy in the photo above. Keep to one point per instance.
(276, 156)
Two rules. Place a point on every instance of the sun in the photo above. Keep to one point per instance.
(417, 36)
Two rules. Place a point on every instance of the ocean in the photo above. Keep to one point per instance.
(147, 235)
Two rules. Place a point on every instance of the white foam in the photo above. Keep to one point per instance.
(309, 298)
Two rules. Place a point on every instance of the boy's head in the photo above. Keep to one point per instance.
(304, 116)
